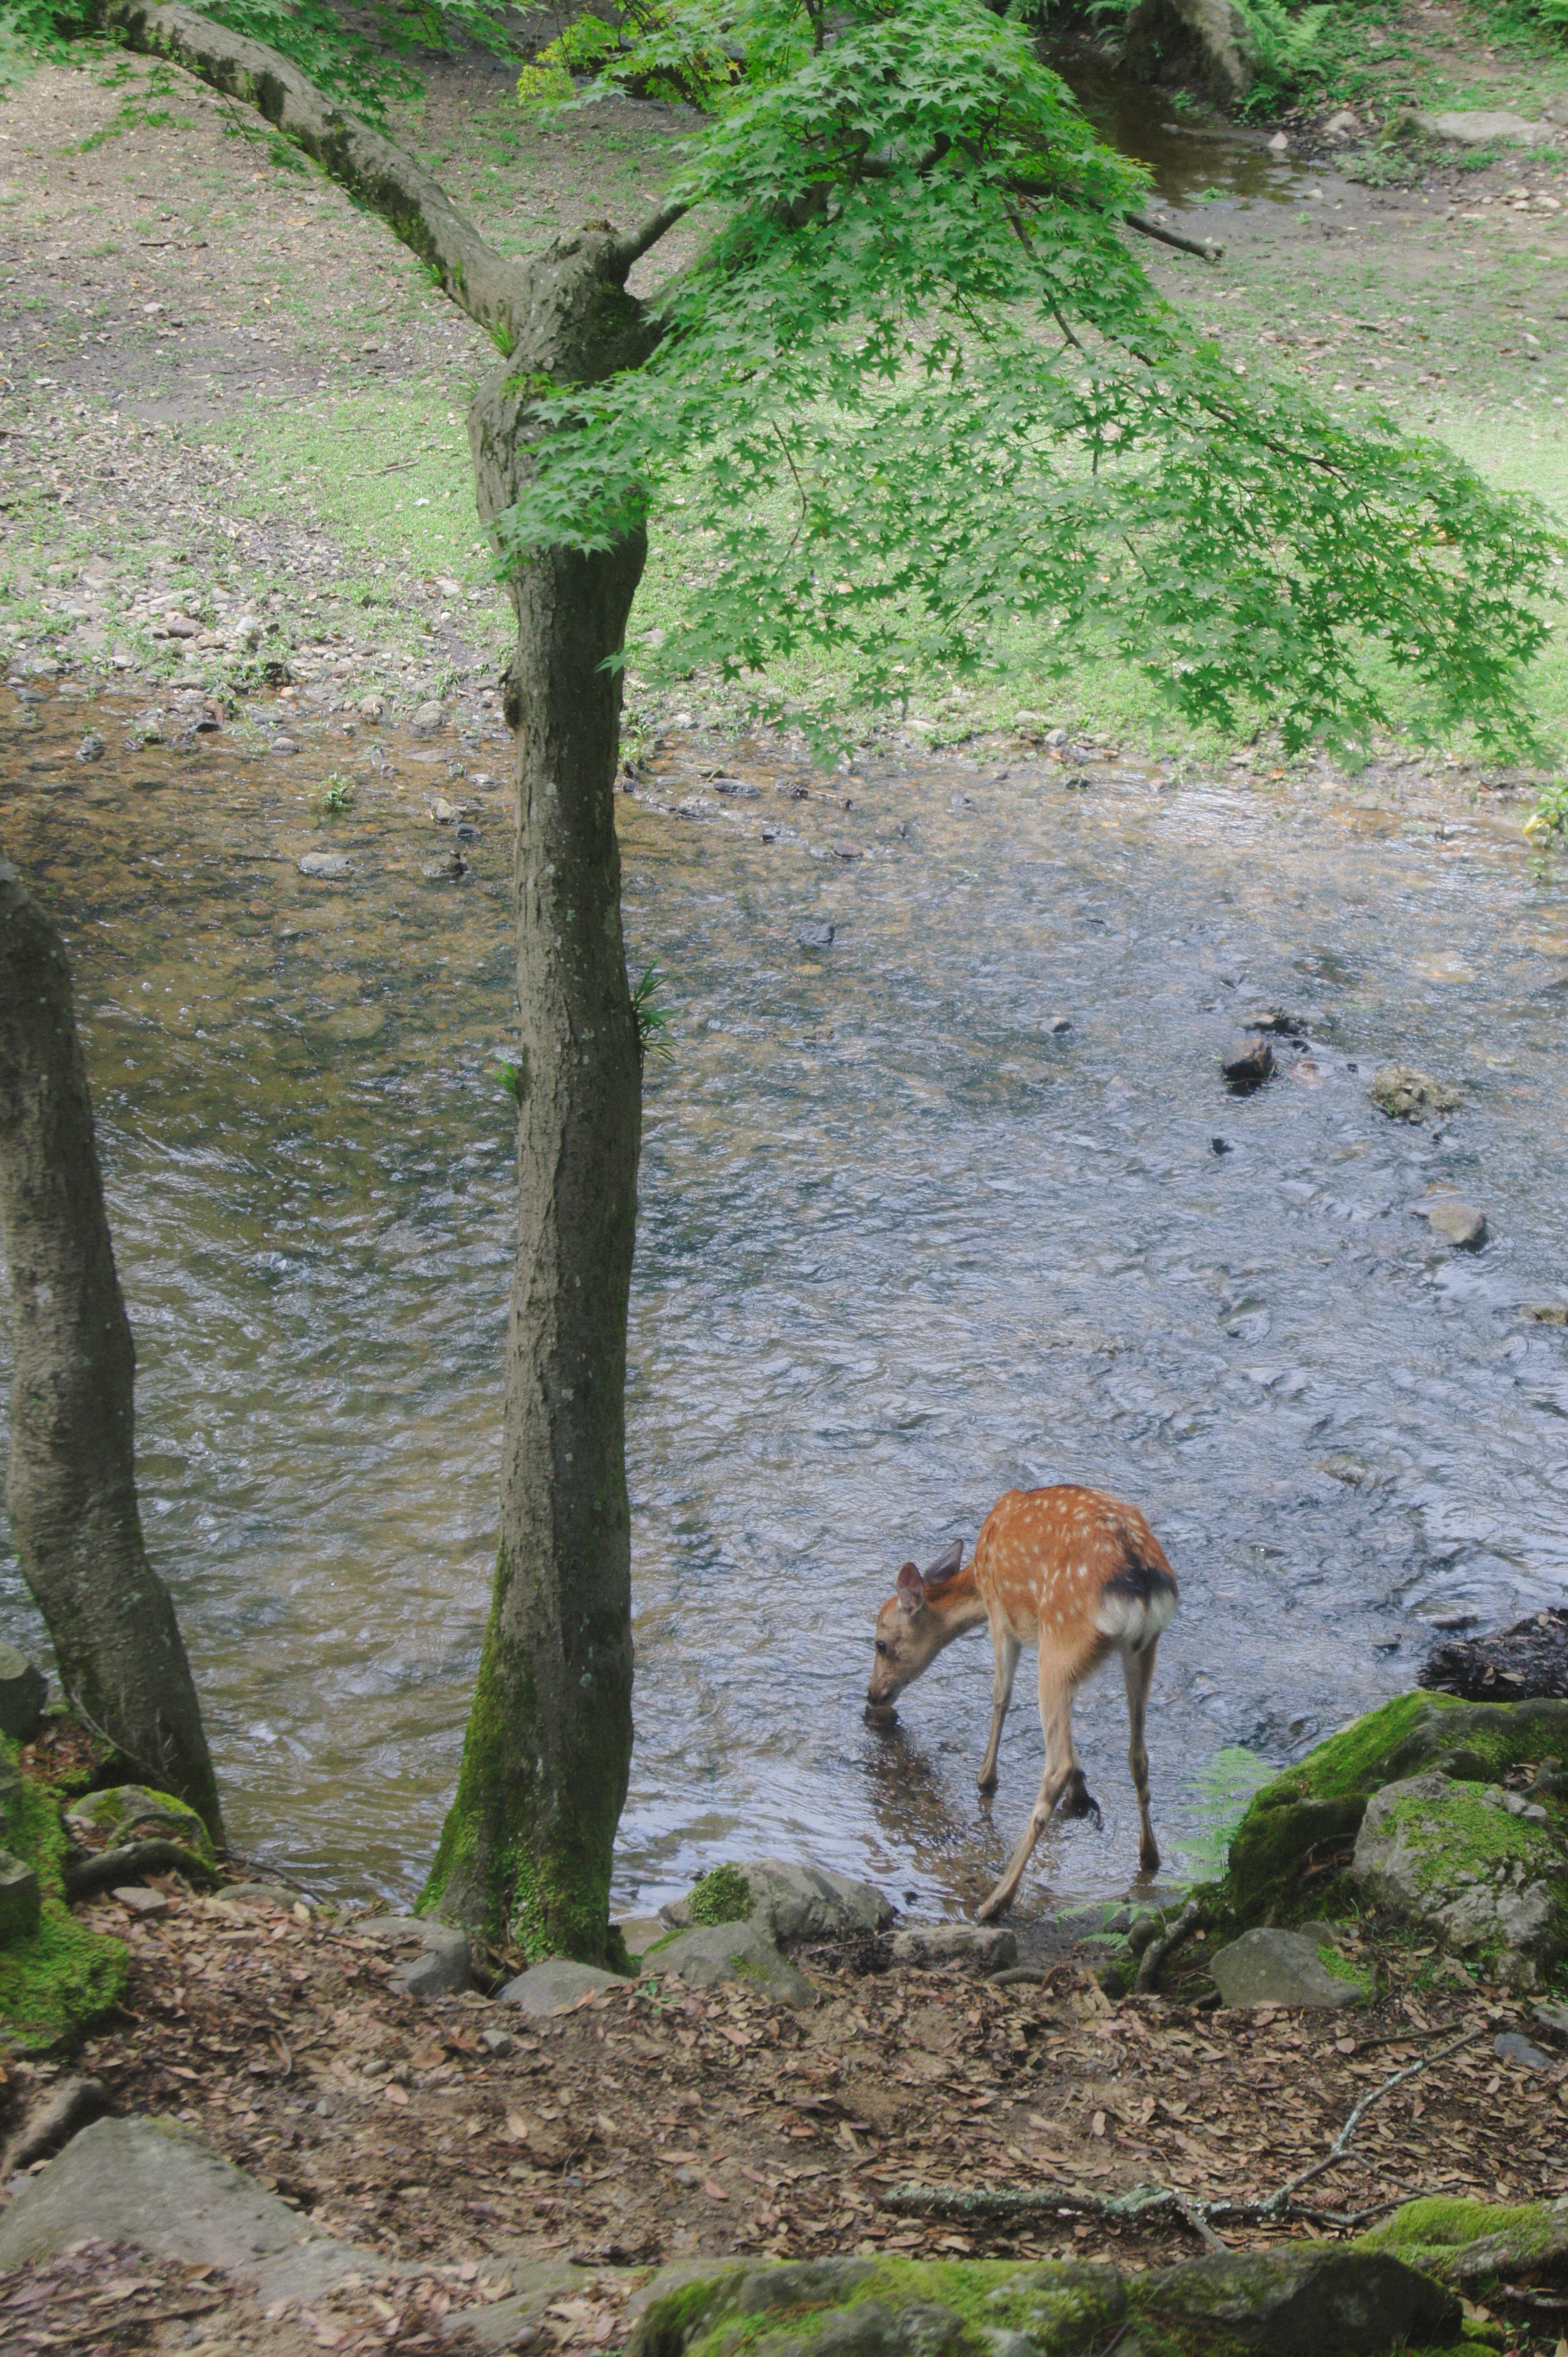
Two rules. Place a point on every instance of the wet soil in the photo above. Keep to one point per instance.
(651, 2124)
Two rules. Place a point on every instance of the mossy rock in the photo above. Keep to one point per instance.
(1482, 1870)
(58, 1977)
(722, 1896)
(1475, 2245)
(131, 1812)
(1312, 1814)
(1300, 2299)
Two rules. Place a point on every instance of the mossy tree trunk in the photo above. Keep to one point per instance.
(528, 1843)
(71, 1487)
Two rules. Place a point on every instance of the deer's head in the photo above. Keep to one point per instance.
(910, 1628)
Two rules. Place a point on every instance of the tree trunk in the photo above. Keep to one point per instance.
(71, 1491)
(528, 1843)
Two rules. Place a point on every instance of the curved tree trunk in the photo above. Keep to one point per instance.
(528, 1843)
(72, 1489)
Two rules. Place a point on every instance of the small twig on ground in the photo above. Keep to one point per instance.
(997, 2202)
(1158, 1951)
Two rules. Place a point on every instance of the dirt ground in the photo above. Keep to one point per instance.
(651, 2124)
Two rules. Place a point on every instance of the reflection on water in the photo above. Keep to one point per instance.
(1187, 161)
(902, 1245)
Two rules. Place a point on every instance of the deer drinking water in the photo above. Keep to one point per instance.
(1079, 1576)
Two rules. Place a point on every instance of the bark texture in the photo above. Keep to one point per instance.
(72, 1489)
(529, 1842)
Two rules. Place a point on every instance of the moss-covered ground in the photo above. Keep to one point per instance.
(57, 1979)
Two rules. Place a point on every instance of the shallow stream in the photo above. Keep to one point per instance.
(902, 1245)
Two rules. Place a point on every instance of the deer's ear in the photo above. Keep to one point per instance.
(946, 1565)
(910, 1588)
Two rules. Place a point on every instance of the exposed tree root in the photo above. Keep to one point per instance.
(123, 1865)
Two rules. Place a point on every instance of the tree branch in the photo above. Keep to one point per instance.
(1205, 249)
(373, 169)
(636, 243)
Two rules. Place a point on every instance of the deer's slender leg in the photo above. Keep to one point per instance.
(1139, 1672)
(1062, 1773)
(1008, 1651)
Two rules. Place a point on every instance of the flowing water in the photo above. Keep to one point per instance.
(902, 1245)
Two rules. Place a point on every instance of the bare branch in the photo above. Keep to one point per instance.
(636, 243)
(1205, 249)
(373, 169)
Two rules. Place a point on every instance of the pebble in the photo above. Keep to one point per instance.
(1058, 1024)
(91, 747)
(284, 745)
(370, 707)
(142, 1902)
(499, 2042)
(327, 865)
(1280, 143)
(427, 717)
(816, 937)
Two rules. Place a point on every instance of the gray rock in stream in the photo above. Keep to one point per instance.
(162, 2189)
(1462, 1225)
(326, 867)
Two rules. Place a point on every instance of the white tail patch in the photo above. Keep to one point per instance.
(1131, 1622)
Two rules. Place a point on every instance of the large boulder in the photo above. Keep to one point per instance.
(1484, 1870)
(1308, 1818)
(1306, 2298)
(1208, 42)
(1297, 2301)
(162, 2189)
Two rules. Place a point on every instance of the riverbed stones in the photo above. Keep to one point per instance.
(326, 867)
(132, 1812)
(1464, 1225)
(162, 2189)
(23, 1690)
(1485, 1877)
(1269, 1966)
(1406, 1094)
(427, 718)
(712, 1953)
(986, 1947)
(434, 1960)
(558, 1982)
